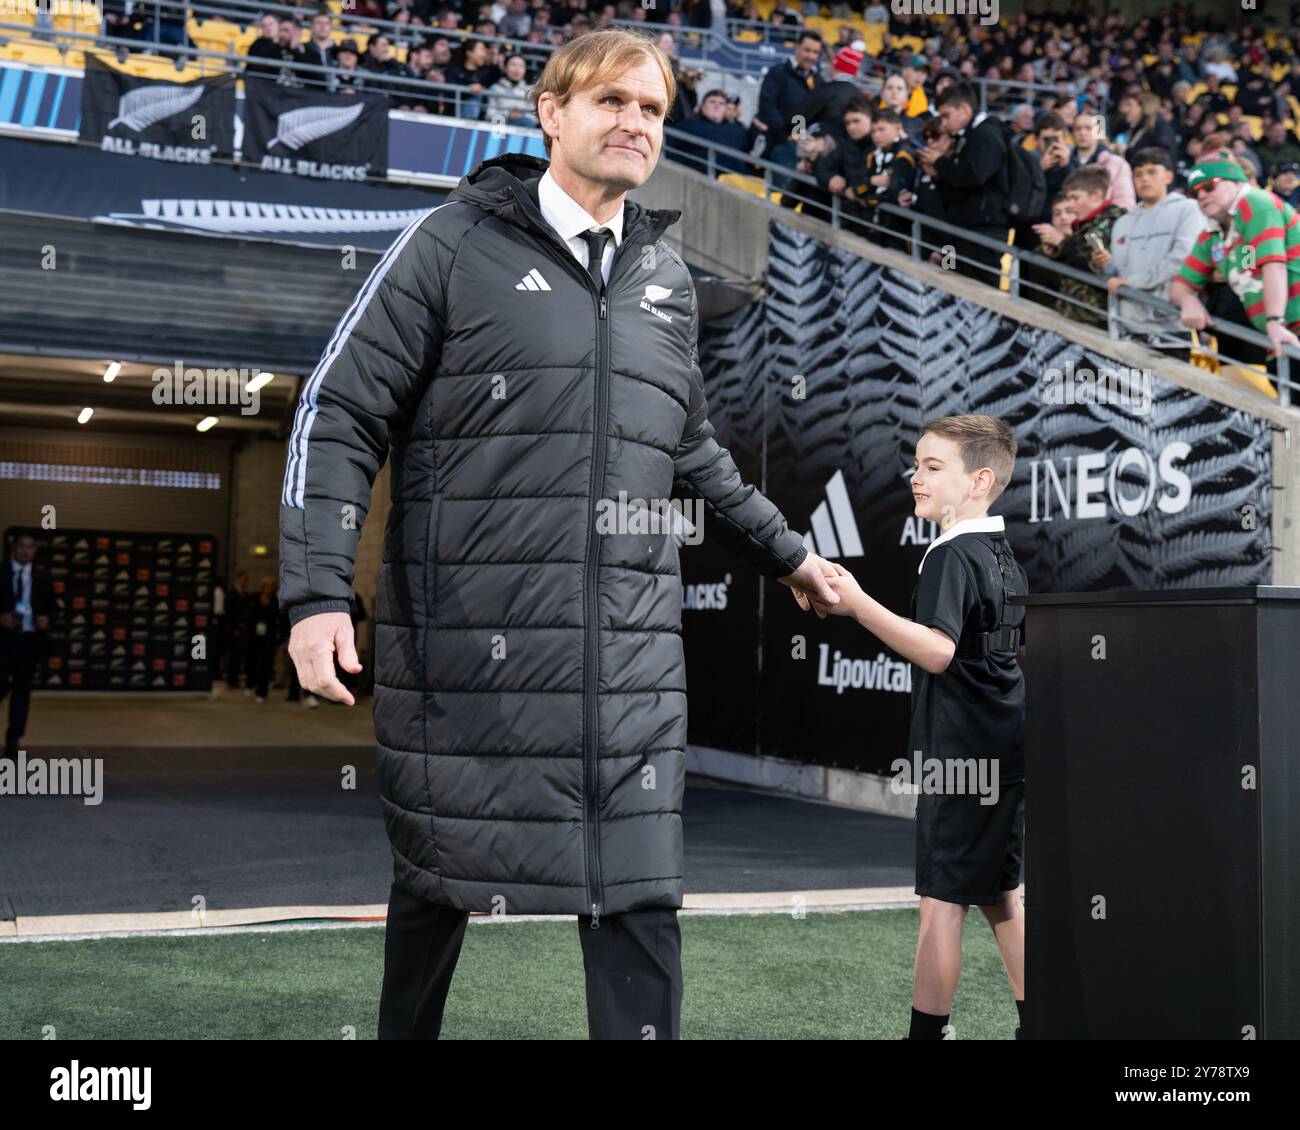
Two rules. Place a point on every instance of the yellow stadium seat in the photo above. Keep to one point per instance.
(160, 69)
(1256, 125)
(36, 54)
(1229, 91)
(223, 32)
(747, 183)
(87, 24)
(21, 16)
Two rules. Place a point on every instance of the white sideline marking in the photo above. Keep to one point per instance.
(180, 923)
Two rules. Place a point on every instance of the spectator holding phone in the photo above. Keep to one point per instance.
(1087, 193)
(1057, 160)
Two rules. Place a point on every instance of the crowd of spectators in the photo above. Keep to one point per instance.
(1071, 133)
(1105, 123)
(465, 48)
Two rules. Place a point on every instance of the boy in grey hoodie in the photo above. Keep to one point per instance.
(1147, 246)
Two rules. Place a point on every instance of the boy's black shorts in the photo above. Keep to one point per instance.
(967, 852)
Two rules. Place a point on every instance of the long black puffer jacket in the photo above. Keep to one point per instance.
(530, 688)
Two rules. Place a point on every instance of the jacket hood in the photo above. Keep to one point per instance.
(506, 186)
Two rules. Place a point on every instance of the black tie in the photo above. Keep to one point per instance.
(595, 241)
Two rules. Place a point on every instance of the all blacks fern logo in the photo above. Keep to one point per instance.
(296, 128)
(142, 107)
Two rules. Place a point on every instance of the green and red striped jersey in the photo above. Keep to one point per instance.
(1262, 228)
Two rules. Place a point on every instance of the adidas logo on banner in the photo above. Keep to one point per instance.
(834, 533)
(533, 281)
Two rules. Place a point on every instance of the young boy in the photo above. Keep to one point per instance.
(1087, 191)
(1147, 246)
(890, 171)
(1286, 182)
(847, 164)
(968, 704)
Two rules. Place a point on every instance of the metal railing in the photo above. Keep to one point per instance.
(692, 44)
(913, 229)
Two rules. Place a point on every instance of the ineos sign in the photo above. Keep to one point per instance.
(1086, 487)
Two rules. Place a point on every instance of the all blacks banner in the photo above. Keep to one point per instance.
(187, 122)
(313, 133)
(819, 391)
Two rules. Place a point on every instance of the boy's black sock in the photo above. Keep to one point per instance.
(927, 1026)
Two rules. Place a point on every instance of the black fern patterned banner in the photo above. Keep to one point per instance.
(312, 133)
(1122, 481)
(191, 122)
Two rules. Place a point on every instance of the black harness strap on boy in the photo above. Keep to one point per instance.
(1006, 637)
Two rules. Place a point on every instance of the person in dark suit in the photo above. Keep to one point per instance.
(261, 616)
(237, 601)
(26, 610)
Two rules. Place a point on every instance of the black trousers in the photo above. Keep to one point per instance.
(632, 961)
(216, 648)
(1224, 306)
(261, 662)
(17, 668)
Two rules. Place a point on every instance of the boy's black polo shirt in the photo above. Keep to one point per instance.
(976, 708)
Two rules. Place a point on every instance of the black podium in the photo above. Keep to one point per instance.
(1162, 814)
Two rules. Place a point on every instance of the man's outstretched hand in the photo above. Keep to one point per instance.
(808, 583)
(312, 646)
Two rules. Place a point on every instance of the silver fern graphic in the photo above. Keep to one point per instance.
(878, 353)
(295, 128)
(139, 108)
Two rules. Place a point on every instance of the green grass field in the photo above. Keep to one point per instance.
(827, 976)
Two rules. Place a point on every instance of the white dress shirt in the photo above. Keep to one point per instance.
(23, 597)
(989, 524)
(570, 219)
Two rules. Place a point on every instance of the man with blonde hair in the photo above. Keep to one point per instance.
(528, 352)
